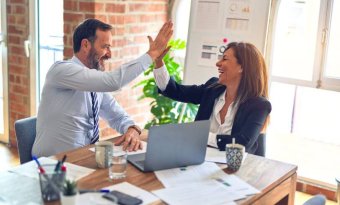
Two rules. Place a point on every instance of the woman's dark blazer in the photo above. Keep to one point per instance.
(249, 119)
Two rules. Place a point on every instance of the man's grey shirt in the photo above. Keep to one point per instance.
(65, 117)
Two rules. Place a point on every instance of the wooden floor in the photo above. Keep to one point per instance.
(9, 158)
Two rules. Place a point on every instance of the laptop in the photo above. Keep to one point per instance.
(173, 145)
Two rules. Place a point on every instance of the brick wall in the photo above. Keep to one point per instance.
(132, 21)
(18, 63)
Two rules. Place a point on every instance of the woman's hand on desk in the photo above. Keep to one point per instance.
(130, 140)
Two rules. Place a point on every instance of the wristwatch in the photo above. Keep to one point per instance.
(138, 129)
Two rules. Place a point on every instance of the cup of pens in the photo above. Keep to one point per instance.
(51, 182)
(234, 154)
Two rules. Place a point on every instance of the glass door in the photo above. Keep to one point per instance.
(3, 75)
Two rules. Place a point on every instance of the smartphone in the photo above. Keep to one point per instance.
(123, 199)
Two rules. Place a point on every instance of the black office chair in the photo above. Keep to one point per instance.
(261, 149)
(25, 131)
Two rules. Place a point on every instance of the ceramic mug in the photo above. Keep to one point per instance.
(103, 154)
(234, 155)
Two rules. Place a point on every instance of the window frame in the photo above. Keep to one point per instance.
(318, 79)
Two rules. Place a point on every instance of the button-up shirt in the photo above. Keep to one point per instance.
(65, 117)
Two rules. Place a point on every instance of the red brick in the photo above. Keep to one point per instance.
(91, 7)
(71, 5)
(18, 107)
(114, 19)
(72, 17)
(115, 8)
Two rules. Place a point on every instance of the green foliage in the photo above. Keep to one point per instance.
(165, 110)
(70, 188)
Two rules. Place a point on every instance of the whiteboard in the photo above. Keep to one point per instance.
(214, 23)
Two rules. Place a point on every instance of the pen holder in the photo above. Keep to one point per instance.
(51, 183)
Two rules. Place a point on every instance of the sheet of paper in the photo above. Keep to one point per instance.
(238, 184)
(92, 198)
(215, 155)
(191, 174)
(207, 15)
(19, 189)
(199, 194)
(132, 190)
(129, 153)
(29, 169)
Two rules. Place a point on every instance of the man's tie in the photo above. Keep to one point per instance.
(95, 111)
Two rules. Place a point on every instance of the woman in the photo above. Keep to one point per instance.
(236, 102)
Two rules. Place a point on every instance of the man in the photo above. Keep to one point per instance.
(75, 92)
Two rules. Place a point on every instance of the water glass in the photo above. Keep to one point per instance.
(117, 170)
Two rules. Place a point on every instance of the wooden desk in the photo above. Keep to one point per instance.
(276, 180)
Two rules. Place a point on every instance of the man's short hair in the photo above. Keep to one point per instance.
(87, 30)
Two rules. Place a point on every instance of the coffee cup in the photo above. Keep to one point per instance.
(103, 152)
(234, 155)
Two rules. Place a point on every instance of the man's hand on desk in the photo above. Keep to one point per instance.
(130, 140)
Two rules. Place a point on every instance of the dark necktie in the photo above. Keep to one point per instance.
(95, 111)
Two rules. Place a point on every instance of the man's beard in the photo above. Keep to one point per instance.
(93, 61)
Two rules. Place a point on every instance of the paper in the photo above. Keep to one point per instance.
(19, 189)
(92, 198)
(215, 155)
(132, 190)
(29, 169)
(207, 15)
(125, 187)
(115, 148)
(198, 194)
(191, 174)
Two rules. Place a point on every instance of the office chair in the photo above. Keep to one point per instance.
(261, 149)
(316, 200)
(25, 131)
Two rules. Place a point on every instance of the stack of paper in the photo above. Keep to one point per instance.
(201, 183)
(30, 169)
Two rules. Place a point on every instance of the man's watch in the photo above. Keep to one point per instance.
(138, 129)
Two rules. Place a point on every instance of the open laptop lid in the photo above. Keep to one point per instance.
(176, 145)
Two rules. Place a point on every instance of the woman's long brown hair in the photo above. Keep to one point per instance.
(254, 80)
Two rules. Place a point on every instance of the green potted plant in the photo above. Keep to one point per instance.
(69, 192)
(163, 109)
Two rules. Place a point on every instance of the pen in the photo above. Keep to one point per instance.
(83, 191)
(39, 165)
(59, 164)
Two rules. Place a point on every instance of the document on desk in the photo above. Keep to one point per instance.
(140, 151)
(184, 175)
(125, 187)
(201, 193)
(215, 155)
(19, 189)
(29, 169)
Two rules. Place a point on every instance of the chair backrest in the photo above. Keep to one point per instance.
(316, 200)
(261, 149)
(25, 131)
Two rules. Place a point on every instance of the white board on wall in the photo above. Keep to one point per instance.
(215, 23)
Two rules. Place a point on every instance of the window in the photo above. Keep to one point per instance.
(305, 85)
(3, 75)
(304, 43)
(180, 18)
